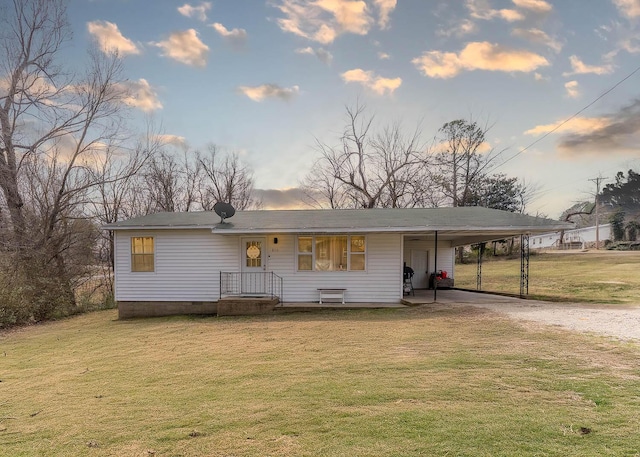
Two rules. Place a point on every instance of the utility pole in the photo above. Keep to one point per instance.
(597, 180)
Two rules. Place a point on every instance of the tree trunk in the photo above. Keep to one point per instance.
(15, 205)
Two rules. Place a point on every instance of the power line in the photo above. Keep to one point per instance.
(546, 190)
(542, 193)
(571, 117)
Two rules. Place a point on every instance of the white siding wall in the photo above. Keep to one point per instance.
(545, 240)
(380, 283)
(446, 254)
(187, 266)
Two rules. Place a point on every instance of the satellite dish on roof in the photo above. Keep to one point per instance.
(224, 210)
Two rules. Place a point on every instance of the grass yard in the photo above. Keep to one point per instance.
(433, 381)
(608, 277)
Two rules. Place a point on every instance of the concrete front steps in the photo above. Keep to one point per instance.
(246, 306)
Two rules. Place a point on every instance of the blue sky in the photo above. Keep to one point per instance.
(265, 78)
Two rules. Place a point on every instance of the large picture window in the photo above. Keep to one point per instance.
(332, 253)
(142, 253)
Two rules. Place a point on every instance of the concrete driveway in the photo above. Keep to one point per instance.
(610, 320)
(458, 296)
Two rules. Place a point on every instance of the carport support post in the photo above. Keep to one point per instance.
(479, 271)
(524, 265)
(435, 268)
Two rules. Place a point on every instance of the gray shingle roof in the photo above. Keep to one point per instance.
(466, 219)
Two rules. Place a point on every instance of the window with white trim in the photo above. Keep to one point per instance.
(142, 254)
(332, 253)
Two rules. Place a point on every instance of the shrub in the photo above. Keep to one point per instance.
(617, 225)
(632, 230)
(30, 292)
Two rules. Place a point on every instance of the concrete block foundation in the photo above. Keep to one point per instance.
(245, 306)
(230, 306)
(131, 309)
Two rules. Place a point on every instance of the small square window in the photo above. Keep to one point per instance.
(142, 254)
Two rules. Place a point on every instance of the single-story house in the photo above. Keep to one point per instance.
(184, 263)
(577, 238)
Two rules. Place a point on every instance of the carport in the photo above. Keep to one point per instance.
(482, 233)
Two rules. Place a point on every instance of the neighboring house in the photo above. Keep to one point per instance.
(577, 238)
(181, 263)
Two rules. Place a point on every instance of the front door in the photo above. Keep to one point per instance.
(253, 266)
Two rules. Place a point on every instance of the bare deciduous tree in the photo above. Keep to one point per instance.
(368, 170)
(118, 194)
(45, 114)
(190, 181)
(404, 162)
(226, 179)
(52, 126)
(460, 161)
(32, 33)
(321, 189)
(163, 184)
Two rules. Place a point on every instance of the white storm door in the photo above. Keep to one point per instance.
(253, 254)
(420, 265)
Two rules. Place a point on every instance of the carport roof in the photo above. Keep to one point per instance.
(465, 225)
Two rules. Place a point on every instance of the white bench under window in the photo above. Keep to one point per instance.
(332, 294)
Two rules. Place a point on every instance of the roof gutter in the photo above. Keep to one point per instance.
(156, 227)
(467, 229)
(262, 231)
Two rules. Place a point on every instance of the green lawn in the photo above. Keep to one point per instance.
(607, 277)
(407, 382)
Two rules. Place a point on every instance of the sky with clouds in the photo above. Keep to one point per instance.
(267, 78)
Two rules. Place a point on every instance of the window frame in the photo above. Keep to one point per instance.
(134, 254)
(312, 253)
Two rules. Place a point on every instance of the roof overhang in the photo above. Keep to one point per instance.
(458, 236)
(157, 227)
(465, 238)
